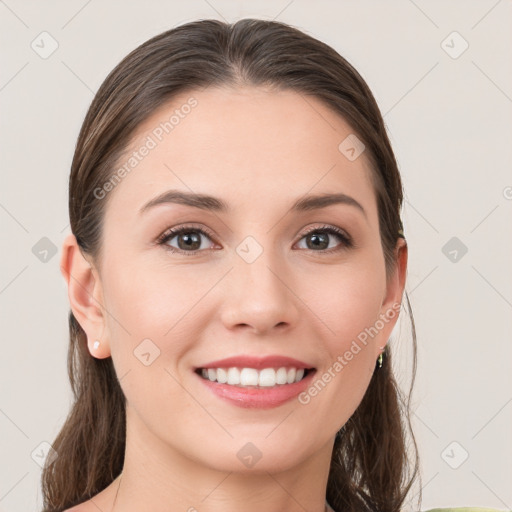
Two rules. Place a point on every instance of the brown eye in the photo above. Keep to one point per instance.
(318, 239)
(188, 239)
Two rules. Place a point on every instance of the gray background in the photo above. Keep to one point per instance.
(449, 118)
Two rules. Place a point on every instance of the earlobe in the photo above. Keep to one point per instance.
(84, 293)
(98, 349)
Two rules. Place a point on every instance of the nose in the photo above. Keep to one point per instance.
(259, 298)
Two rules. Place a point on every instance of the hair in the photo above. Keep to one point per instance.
(371, 469)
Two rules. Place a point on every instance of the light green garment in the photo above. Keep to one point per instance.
(456, 509)
(464, 509)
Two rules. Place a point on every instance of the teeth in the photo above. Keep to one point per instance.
(281, 376)
(233, 376)
(268, 377)
(222, 375)
(249, 377)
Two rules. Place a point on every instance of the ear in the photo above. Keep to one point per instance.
(395, 286)
(85, 296)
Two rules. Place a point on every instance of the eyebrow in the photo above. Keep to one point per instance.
(210, 203)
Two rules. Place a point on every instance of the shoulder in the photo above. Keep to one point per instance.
(86, 506)
(99, 502)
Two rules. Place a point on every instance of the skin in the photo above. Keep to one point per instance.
(259, 151)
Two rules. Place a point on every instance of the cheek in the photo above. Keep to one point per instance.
(159, 304)
(152, 327)
(349, 304)
(347, 299)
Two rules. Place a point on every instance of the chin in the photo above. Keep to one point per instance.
(259, 454)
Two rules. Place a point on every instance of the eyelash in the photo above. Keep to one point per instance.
(347, 242)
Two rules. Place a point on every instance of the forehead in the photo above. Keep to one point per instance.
(241, 144)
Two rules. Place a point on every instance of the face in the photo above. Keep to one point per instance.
(258, 278)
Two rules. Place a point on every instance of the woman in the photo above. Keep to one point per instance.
(235, 270)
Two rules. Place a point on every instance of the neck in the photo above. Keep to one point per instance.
(161, 478)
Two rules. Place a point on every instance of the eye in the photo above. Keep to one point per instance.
(319, 239)
(188, 238)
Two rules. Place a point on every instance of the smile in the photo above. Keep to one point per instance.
(256, 381)
(251, 377)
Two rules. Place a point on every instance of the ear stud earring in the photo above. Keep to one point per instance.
(96, 345)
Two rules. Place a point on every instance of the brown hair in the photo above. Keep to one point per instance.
(370, 466)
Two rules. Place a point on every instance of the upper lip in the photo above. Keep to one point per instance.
(258, 363)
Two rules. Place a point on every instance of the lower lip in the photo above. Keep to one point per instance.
(258, 398)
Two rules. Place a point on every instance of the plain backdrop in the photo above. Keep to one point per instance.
(441, 73)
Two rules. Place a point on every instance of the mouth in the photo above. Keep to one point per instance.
(264, 378)
(255, 381)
